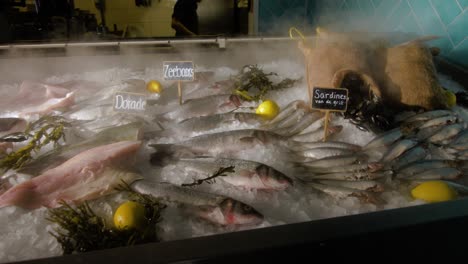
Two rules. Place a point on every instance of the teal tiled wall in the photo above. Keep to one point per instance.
(447, 19)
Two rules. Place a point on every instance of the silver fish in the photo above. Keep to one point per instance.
(446, 133)
(440, 121)
(412, 155)
(398, 148)
(341, 192)
(385, 139)
(329, 144)
(219, 87)
(205, 106)
(307, 120)
(287, 112)
(341, 160)
(216, 209)
(428, 115)
(320, 153)
(222, 144)
(317, 135)
(346, 176)
(204, 124)
(437, 174)
(424, 165)
(370, 167)
(372, 186)
(248, 174)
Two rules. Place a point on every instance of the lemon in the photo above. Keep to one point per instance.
(154, 86)
(434, 191)
(268, 109)
(130, 215)
(451, 98)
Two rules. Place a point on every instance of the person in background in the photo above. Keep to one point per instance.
(185, 18)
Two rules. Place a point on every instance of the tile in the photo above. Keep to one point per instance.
(447, 9)
(386, 8)
(366, 7)
(400, 13)
(458, 29)
(377, 3)
(463, 3)
(409, 25)
(459, 54)
(427, 18)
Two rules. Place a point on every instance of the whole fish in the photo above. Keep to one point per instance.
(204, 124)
(329, 144)
(437, 174)
(306, 121)
(370, 167)
(385, 139)
(346, 176)
(341, 192)
(428, 115)
(444, 120)
(247, 174)
(341, 160)
(424, 165)
(371, 186)
(297, 106)
(216, 209)
(56, 157)
(398, 148)
(317, 135)
(412, 155)
(88, 175)
(446, 133)
(205, 106)
(219, 87)
(324, 152)
(222, 144)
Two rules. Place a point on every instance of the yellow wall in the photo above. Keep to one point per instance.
(153, 21)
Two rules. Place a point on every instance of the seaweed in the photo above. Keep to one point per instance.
(252, 84)
(219, 173)
(47, 129)
(81, 230)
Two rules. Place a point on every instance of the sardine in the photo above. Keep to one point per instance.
(398, 148)
(288, 112)
(412, 155)
(307, 120)
(247, 174)
(422, 166)
(217, 209)
(446, 133)
(328, 144)
(428, 115)
(440, 121)
(385, 139)
(437, 174)
(90, 174)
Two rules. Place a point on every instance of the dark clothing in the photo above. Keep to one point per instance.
(185, 11)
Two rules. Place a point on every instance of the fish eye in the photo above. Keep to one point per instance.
(246, 208)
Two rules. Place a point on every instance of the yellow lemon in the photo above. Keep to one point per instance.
(130, 215)
(154, 86)
(434, 191)
(451, 98)
(268, 109)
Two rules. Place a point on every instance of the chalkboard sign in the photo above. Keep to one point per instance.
(178, 71)
(331, 99)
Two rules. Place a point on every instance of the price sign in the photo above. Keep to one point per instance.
(330, 99)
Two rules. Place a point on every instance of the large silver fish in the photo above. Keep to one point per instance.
(248, 174)
(217, 209)
(210, 105)
(223, 144)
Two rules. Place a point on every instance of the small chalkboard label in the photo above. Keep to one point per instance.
(331, 99)
(129, 102)
(178, 71)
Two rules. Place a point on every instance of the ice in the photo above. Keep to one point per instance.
(26, 234)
